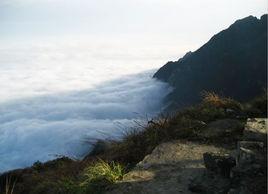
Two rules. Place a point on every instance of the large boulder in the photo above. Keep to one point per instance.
(219, 163)
(250, 152)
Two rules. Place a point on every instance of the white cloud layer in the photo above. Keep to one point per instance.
(54, 97)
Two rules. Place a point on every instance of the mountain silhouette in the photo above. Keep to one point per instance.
(232, 63)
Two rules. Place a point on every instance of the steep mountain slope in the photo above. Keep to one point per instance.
(232, 63)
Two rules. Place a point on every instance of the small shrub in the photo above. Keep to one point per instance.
(46, 187)
(185, 127)
(139, 142)
(102, 174)
(203, 113)
(99, 146)
(37, 166)
(68, 186)
(213, 99)
(211, 113)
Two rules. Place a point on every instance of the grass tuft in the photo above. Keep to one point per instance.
(213, 99)
(100, 175)
(9, 187)
(112, 172)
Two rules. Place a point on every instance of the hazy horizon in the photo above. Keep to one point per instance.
(176, 25)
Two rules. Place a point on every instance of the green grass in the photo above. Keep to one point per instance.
(94, 178)
(101, 170)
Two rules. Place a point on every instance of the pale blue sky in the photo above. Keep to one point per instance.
(188, 23)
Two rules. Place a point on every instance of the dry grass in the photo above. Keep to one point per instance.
(213, 99)
(9, 185)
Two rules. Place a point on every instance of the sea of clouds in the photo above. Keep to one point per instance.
(55, 97)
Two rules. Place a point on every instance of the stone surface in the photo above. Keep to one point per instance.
(250, 152)
(249, 176)
(256, 129)
(169, 169)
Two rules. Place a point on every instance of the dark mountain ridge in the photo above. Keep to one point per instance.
(232, 63)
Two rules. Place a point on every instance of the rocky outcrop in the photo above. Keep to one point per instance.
(170, 168)
(256, 130)
(243, 171)
(190, 167)
(250, 173)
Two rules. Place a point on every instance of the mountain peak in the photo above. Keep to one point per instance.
(232, 63)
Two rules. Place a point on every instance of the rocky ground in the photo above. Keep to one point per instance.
(188, 167)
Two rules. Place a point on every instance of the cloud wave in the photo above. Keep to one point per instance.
(42, 127)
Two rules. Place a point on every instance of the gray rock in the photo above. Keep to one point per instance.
(255, 129)
(250, 152)
(170, 168)
(248, 176)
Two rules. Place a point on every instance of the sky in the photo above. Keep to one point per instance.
(177, 24)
